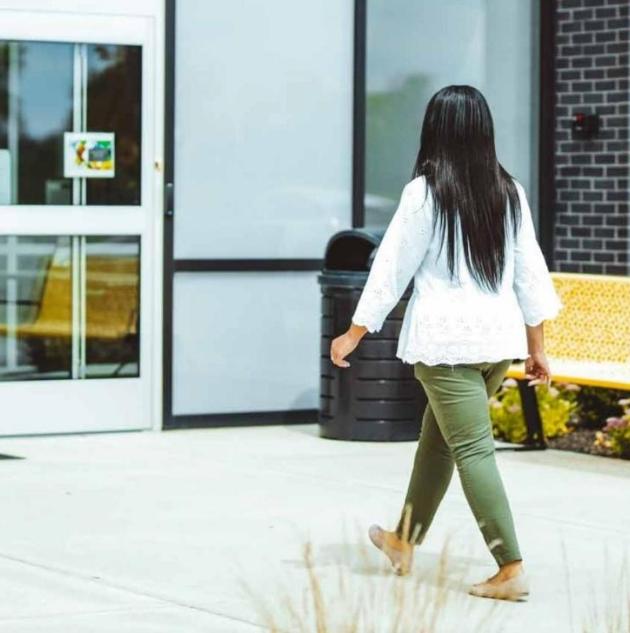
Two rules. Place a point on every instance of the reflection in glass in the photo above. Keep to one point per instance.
(36, 88)
(35, 308)
(489, 44)
(113, 105)
(442, 44)
(112, 306)
(37, 105)
(69, 307)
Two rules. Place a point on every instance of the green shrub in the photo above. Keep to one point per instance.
(616, 433)
(557, 404)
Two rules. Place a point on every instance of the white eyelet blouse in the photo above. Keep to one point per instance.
(446, 321)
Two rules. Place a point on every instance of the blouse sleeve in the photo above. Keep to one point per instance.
(533, 284)
(397, 258)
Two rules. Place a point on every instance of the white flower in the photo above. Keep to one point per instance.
(572, 387)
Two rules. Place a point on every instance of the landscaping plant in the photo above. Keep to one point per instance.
(616, 433)
(558, 406)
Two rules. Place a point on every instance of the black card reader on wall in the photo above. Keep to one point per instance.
(585, 126)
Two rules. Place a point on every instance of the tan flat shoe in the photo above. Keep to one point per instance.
(516, 588)
(399, 552)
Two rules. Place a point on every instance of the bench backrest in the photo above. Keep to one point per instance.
(594, 324)
(112, 301)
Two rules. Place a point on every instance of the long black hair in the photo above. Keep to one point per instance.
(468, 185)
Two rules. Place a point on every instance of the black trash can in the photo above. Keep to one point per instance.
(377, 398)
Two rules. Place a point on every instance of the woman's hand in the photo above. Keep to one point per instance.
(345, 344)
(537, 369)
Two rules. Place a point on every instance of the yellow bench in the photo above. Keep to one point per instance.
(588, 343)
(112, 302)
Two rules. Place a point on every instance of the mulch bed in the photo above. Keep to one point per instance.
(580, 441)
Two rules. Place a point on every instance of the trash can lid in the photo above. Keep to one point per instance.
(352, 249)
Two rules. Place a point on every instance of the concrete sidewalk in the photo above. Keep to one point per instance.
(152, 532)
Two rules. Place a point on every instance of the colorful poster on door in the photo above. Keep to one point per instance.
(88, 155)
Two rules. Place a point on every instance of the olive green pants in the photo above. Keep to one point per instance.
(457, 431)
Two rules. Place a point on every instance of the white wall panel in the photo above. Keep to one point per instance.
(263, 133)
(245, 341)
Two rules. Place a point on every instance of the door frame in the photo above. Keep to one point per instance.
(34, 20)
(547, 130)
(173, 265)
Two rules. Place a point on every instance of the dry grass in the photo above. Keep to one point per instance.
(353, 590)
(349, 592)
(608, 610)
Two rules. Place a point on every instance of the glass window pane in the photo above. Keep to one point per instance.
(35, 110)
(63, 319)
(39, 102)
(35, 308)
(490, 44)
(112, 306)
(114, 105)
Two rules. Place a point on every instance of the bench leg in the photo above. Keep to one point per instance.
(535, 434)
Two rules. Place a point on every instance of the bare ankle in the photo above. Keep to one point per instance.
(511, 569)
(513, 563)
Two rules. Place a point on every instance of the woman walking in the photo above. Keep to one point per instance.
(463, 231)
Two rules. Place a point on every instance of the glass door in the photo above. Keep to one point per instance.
(79, 254)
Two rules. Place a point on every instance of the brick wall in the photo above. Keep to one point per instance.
(591, 177)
